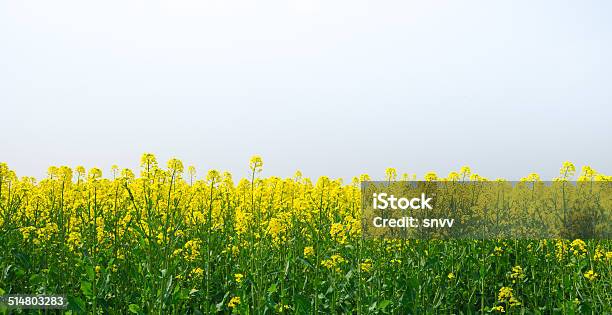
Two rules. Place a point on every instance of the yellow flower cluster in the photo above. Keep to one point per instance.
(309, 251)
(517, 274)
(234, 301)
(333, 263)
(560, 249)
(498, 308)
(591, 275)
(197, 272)
(506, 295)
(74, 241)
(366, 265)
(578, 247)
(238, 277)
(192, 250)
(338, 233)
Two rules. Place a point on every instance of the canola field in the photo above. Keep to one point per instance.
(165, 239)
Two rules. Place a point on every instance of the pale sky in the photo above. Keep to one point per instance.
(334, 88)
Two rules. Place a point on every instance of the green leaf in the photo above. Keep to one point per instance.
(76, 304)
(36, 279)
(373, 306)
(134, 308)
(383, 304)
(182, 294)
(272, 289)
(349, 275)
(86, 288)
(90, 273)
(302, 304)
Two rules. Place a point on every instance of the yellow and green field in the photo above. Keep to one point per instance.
(168, 241)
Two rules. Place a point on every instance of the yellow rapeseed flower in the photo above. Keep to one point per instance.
(366, 265)
(498, 308)
(567, 170)
(599, 254)
(256, 163)
(238, 277)
(517, 274)
(578, 247)
(505, 293)
(192, 250)
(431, 176)
(234, 302)
(390, 174)
(333, 262)
(338, 233)
(308, 251)
(591, 275)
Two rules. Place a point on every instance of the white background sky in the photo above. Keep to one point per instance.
(333, 88)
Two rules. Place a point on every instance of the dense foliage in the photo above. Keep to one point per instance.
(166, 242)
